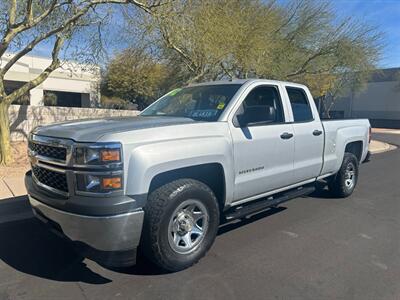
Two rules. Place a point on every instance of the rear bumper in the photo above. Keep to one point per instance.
(367, 157)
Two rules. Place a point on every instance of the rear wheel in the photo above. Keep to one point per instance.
(343, 183)
(181, 222)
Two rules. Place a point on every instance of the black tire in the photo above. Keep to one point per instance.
(159, 210)
(338, 184)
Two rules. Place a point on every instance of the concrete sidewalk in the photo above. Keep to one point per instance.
(380, 147)
(12, 187)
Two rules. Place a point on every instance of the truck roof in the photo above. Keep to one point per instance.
(250, 80)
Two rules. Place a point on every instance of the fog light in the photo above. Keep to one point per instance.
(111, 183)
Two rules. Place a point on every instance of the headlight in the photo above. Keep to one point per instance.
(99, 183)
(98, 154)
(103, 164)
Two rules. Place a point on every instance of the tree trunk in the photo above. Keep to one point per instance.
(5, 147)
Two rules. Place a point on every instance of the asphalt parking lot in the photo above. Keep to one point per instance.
(310, 248)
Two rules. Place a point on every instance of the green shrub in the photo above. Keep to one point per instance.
(50, 99)
(113, 102)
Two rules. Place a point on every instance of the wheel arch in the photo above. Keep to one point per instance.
(356, 148)
(211, 174)
(341, 138)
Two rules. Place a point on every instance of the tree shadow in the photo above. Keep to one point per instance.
(31, 248)
(18, 119)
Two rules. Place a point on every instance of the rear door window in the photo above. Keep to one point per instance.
(300, 106)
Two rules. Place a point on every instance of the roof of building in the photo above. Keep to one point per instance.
(381, 75)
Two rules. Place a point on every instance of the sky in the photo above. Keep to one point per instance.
(384, 14)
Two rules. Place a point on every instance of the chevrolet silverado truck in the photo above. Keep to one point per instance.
(163, 181)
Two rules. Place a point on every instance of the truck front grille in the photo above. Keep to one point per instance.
(51, 178)
(59, 153)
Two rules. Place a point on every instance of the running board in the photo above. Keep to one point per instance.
(241, 211)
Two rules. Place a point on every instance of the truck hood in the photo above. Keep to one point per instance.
(92, 129)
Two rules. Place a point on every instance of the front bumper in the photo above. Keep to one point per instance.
(105, 229)
(103, 233)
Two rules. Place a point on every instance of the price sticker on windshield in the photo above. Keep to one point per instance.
(174, 92)
(221, 106)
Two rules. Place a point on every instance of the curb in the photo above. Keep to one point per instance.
(15, 209)
(381, 147)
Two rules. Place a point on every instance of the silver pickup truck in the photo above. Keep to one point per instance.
(163, 181)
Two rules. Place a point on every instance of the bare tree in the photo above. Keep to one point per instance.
(24, 24)
(300, 41)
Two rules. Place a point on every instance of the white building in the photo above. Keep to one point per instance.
(73, 84)
(379, 100)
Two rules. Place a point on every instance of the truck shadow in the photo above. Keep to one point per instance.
(145, 267)
(28, 247)
(321, 192)
(229, 226)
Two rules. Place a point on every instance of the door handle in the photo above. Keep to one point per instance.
(286, 135)
(317, 132)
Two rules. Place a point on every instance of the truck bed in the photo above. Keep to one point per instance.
(339, 133)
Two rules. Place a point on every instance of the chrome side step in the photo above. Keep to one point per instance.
(241, 211)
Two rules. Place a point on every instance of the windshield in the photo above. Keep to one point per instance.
(203, 103)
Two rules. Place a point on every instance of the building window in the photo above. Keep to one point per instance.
(66, 99)
(11, 86)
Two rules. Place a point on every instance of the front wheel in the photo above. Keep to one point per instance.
(180, 225)
(343, 183)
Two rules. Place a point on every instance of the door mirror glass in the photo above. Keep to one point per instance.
(262, 106)
(257, 115)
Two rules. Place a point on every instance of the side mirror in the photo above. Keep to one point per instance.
(256, 115)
